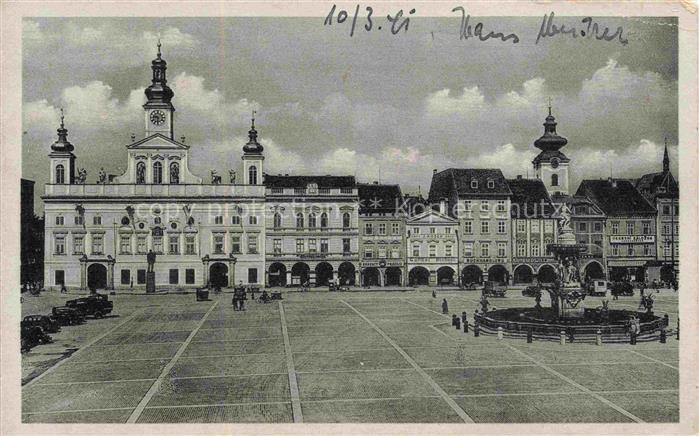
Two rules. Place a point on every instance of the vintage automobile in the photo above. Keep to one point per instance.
(494, 289)
(96, 305)
(531, 291)
(621, 289)
(46, 323)
(67, 315)
(596, 288)
(31, 336)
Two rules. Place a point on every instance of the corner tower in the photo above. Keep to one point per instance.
(551, 165)
(252, 158)
(159, 109)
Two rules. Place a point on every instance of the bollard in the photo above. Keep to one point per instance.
(476, 330)
(499, 333)
(663, 336)
(599, 337)
(530, 335)
(563, 337)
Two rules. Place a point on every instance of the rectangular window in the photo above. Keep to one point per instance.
(252, 275)
(368, 229)
(448, 251)
(158, 244)
(582, 227)
(501, 227)
(677, 210)
(485, 227)
(277, 246)
(79, 220)
(141, 276)
(416, 251)
(615, 228)
(382, 253)
(97, 220)
(395, 253)
(535, 226)
(125, 276)
(615, 250)
(346, 245)
(60, 244)
(235, 244)
(521, 226)
(59, 220)
(666, 210)
(312, 247)
(382, 229)
(433, 251)
(468, 205)
(485, 249)
(97, 244)
(235, 220)
(78, 244)
(598, 227)
(646, 250)
(59, 277)
(447, 230)
(667, 249)
(416, 230)
(666, 229)
(548, 226)
(646, 228)
(174, 276)
(142, 244)
(218, 219)
(521, 249)
(395, 228)
(252, 244)
(300, 246)
(252, 220)
(630, 249)
(189, 276)
(190, 245)
(629, 228)
(468, 227)
(125, 244)
(501, 206)
(502, 249)
(468, 249)
(432, 230)
(173, 244)
(485, 206)
(323, 245)
(368, 253)
(536, 249)
(218, 243)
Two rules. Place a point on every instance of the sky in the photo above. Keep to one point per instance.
(376, 105)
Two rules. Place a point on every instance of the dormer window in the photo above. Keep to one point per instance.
(491, 184)
(474, 184)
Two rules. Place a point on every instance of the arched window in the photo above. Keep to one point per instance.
(141, 173)
(252, 173)
(157, 172)
(312, 220)
(174, 173)
(277, 220)
(324, 220)
(60, 174)
(346, 220)
(299, 221)
(554, 179)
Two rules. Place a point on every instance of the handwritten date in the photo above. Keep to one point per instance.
(397, 22)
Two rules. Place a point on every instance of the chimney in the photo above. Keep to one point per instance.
(434, 171)
(443, 206)
(519, 177)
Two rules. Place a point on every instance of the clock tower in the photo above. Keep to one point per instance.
(551, 165)
(159, 109)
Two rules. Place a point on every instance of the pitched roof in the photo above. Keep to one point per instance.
(164, 140)
(458, 181)
(550, 154)
(649, 185)
(303, 181)
(530, 199)
(375, 198)
(620, 198)
(431, 216)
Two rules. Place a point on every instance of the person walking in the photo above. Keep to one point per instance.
(445, 307)
(434, 293)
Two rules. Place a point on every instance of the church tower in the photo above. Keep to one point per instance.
(551, 165)
(62, 158)
(252, 158)
(159, 109)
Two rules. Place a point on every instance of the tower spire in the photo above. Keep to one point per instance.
(253, 147)
(666, 159)
(62, 143)
(159, 48)
(550, 106)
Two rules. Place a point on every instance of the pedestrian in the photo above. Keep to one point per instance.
(464, 318)
(63, 288)
(434, 293)
(445, 307)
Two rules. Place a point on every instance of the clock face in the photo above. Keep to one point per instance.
(554, 163)
(157, 117)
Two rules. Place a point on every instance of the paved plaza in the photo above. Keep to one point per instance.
(341, 357)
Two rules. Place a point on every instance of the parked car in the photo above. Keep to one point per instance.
(621, 289)
(531, 291)
(596, 288)
(67, 315)
(31, 336)
(96, 305)
(46, 323)
(494, 289)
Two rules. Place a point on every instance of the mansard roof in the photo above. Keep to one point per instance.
(530, 199)
(458, 181)
(652, 186)
(375, 198)
(616, 197)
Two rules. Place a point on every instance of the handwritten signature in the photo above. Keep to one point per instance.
(591, 29)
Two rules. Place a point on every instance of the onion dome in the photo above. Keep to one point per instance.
(253, 147)
(62, 143)
(550, 141)
(158, 91)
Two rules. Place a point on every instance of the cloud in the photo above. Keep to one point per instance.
(442, 103)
